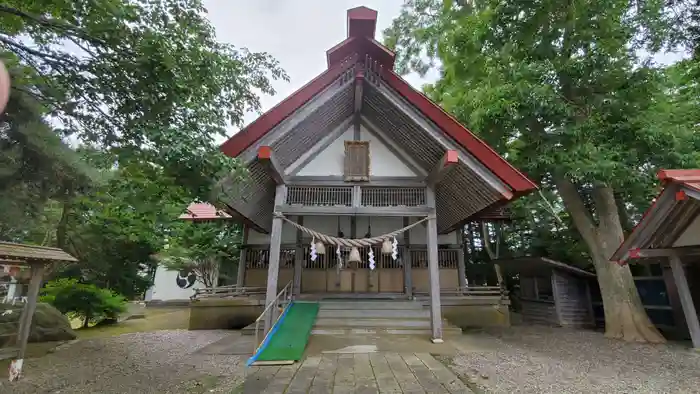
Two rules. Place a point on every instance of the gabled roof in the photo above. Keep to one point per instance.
(18, 253)
(202, 212)
(672, 211)
(362, 22)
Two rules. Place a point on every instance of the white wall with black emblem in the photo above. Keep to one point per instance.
(172, 285)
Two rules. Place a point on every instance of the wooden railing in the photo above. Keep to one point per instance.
(226, 291)
(471, 291)
(283, 296)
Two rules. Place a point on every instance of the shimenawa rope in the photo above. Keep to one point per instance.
(335, 241)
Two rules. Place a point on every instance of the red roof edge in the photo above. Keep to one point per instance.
(240, 141)
(678, 176)
(483, 152)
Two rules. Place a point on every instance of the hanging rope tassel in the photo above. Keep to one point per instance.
(313, 249)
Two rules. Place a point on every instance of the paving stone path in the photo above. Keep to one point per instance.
(361, 373)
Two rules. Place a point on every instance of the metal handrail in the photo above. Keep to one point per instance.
(276, 303)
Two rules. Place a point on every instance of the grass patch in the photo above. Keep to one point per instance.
(156, 319)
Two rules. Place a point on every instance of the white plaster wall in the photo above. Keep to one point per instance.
(419, 233)
(383, 162)
(289, 235)
(330, 161)
(691, 235)
(165, 289)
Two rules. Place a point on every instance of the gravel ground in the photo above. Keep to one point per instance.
(535, 359)
(156, 362)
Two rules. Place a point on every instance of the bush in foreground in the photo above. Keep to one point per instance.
(85, 301)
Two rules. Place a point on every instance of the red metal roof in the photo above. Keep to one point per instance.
(361, 21)
(689, 179)
(203, 211)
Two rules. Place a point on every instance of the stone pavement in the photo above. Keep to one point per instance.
(361, 373)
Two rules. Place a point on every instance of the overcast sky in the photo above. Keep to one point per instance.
(296, 32)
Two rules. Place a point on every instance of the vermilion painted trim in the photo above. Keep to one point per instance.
(264, 153)
(451, 157)
(235, 145)
(678, 175)
(481, 151)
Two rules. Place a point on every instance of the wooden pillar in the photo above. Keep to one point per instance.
(240, 277)
(299, 258)
(434, 271)
(691, 316)
(407, 278)
(461, 267)
(274, 265)
(25, 319)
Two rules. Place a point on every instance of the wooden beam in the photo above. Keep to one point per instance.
(354, 211)
(407, 276)
(274, 265)
(461, 265)
(332, 180)
(434, 272)
(691, 316)
(359, 83)
(240, 276)
(299, 258)
(448, 162)
(665, 252)
(25, 320)
(268, 161)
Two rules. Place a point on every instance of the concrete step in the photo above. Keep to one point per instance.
(374, 313)
(364, 305)
(446, 331)
(366, 323)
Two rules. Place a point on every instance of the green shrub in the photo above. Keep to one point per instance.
(81, 300)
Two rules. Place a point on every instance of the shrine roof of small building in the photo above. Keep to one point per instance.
(24, 254)
(669, 221)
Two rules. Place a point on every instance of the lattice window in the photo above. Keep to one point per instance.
(356, 161)
(419, 259)
(320, 196)
(257, 258)
(446, 258)
(392, 196)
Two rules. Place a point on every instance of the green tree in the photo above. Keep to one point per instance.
(144, 79)
(561, 90)
(145, 88)
(203, 248)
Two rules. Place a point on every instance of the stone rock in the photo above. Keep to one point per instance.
(48, 324)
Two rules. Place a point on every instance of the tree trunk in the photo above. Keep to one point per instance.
(625, 317)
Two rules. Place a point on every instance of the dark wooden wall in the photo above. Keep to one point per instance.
(573, 301)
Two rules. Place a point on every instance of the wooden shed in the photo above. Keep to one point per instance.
(13, 258)
(552, 292)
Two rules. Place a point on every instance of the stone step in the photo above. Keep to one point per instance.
(374, 313)
(364, 305)
(446, 331)
(380, 323)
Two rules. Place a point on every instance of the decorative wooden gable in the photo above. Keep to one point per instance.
(356, 161)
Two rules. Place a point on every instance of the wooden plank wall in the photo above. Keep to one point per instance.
(541, 312)
(570, 294)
